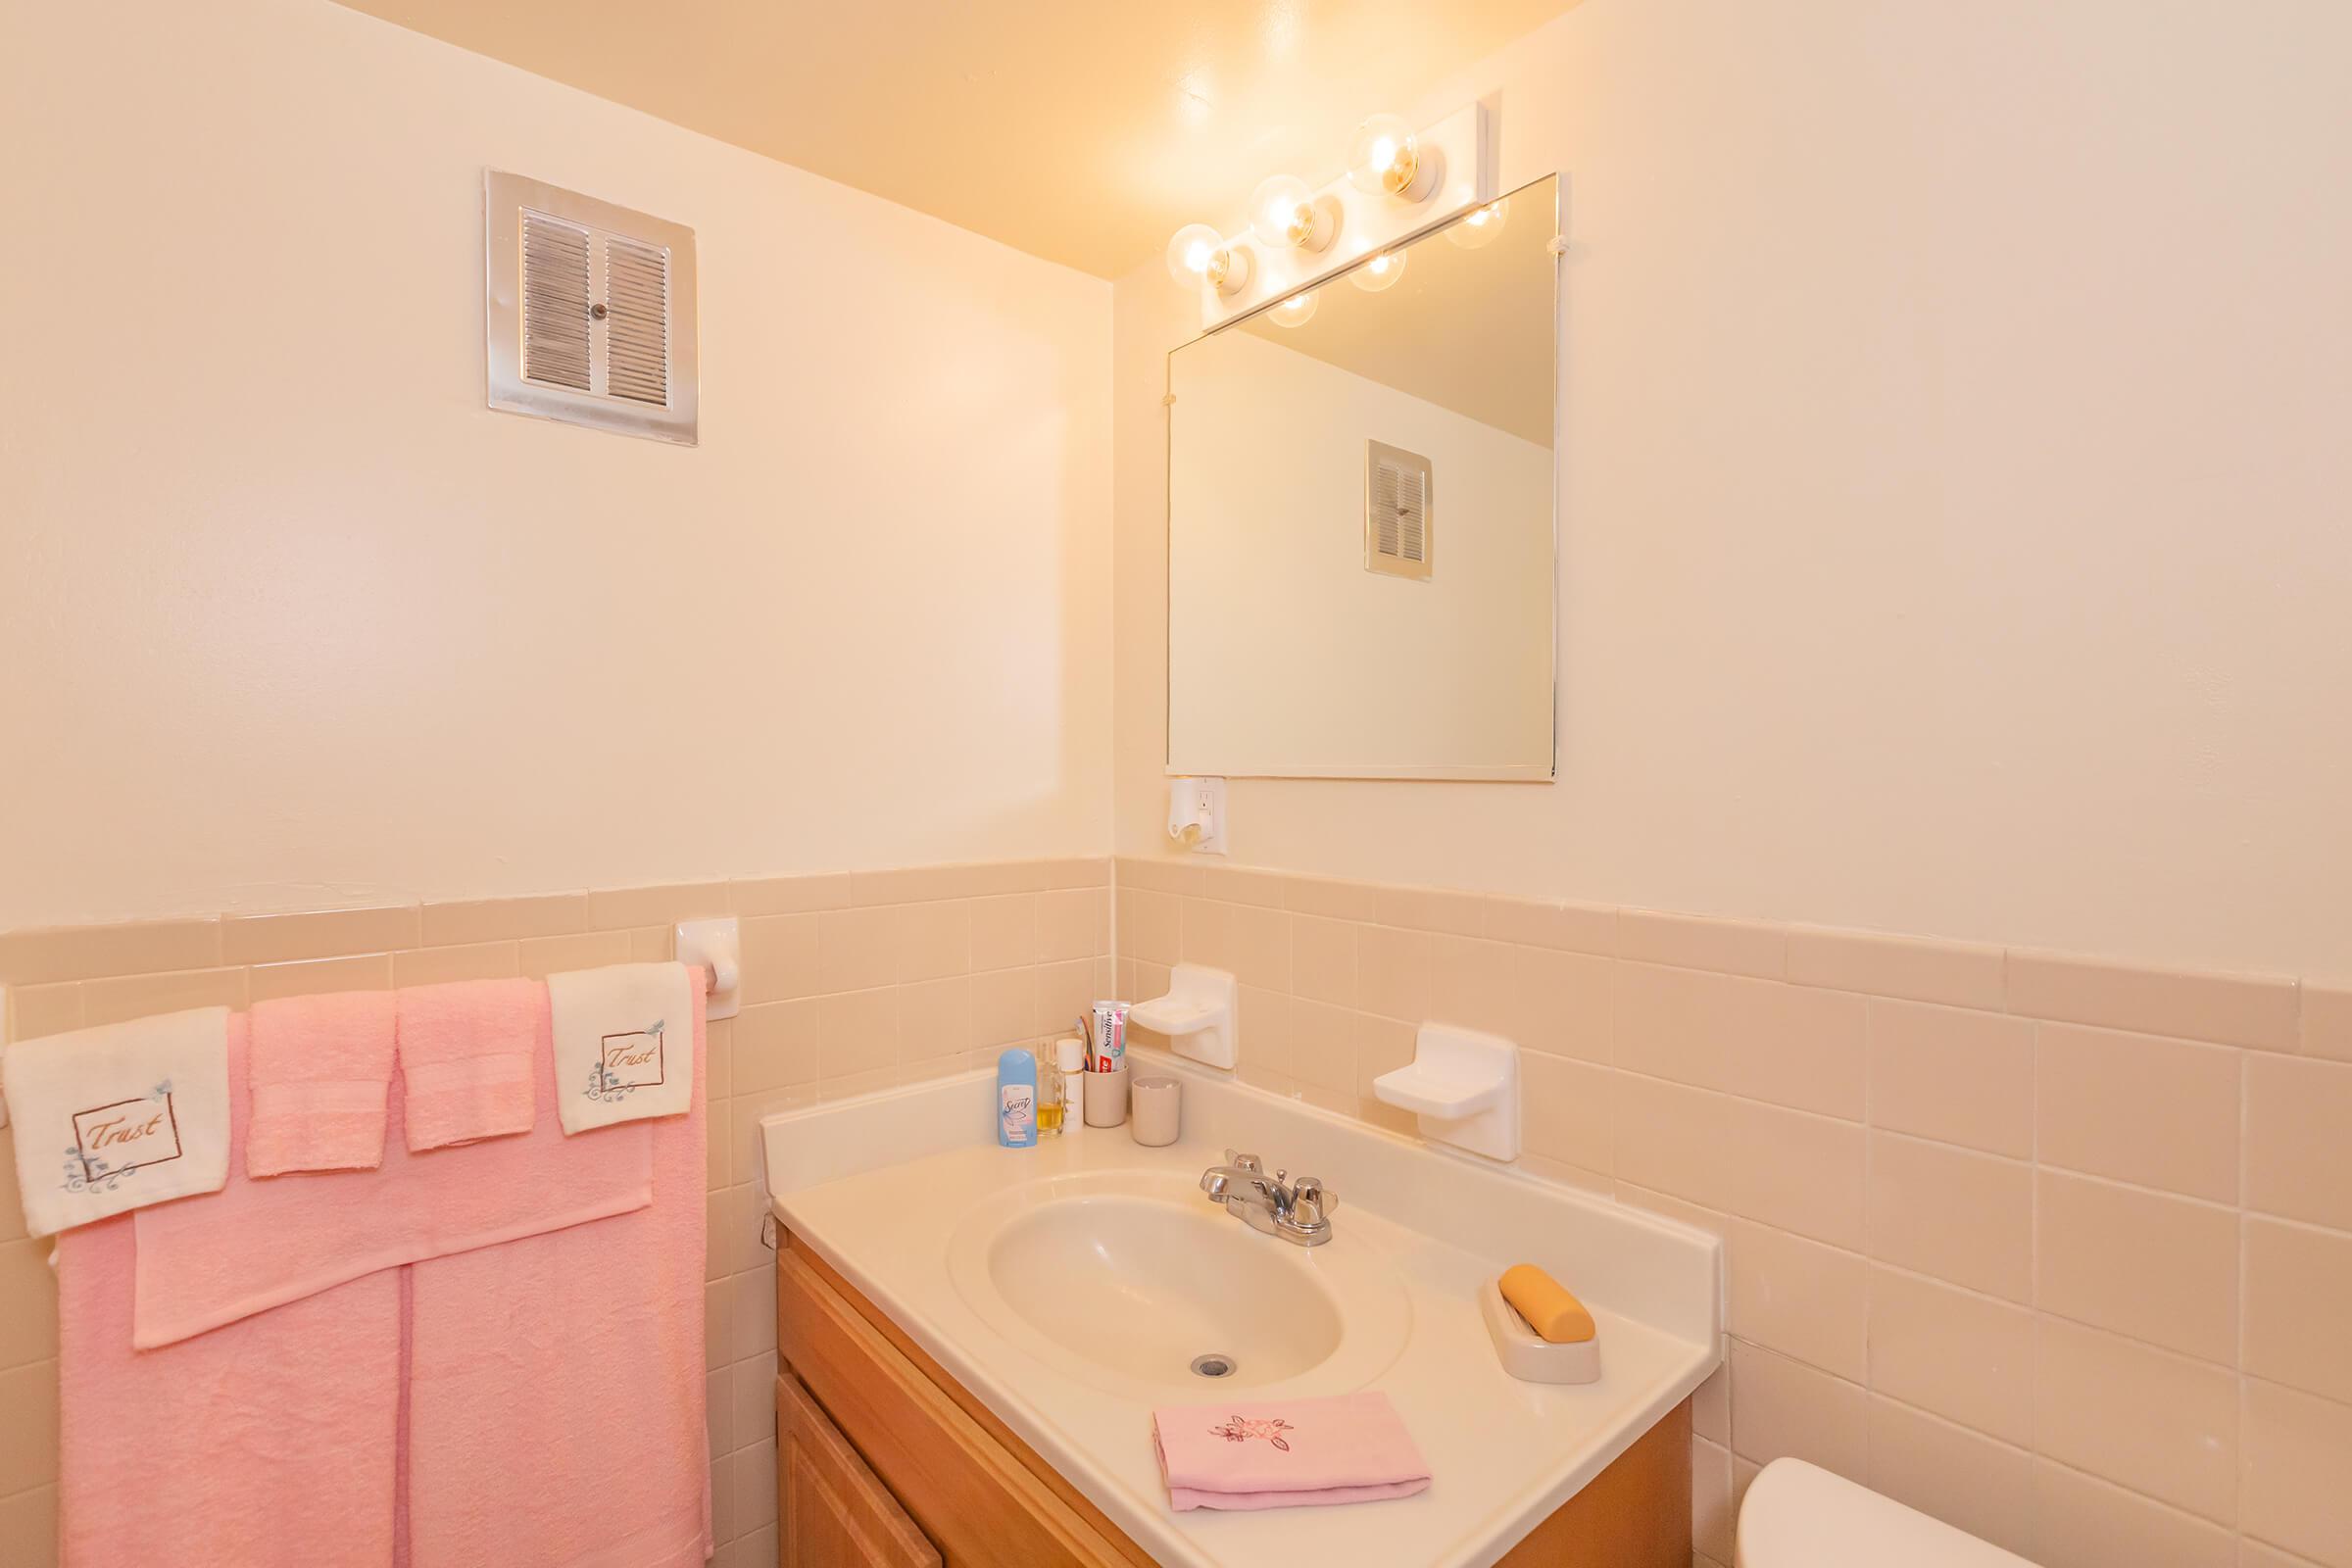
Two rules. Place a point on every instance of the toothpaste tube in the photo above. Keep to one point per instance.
(1106, 1039)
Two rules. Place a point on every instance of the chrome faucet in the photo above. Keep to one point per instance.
(1297, 1212)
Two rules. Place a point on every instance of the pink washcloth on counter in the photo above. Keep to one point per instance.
(467, 1057)
(1286, 1453)
(320, 1072)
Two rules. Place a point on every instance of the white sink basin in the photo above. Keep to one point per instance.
(1126, 1280)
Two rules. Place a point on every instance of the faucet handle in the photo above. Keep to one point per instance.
(1311, 1201)
(1247, 1163)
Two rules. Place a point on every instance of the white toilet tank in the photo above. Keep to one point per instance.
(1798, 1515)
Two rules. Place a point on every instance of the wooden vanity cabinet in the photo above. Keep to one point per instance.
(883, 1461)
(981, 1497)
(830, 1507)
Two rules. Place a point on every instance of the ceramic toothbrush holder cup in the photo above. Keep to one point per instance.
(1155, 1116)
(1105, 1097)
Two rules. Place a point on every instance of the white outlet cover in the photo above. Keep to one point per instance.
(1212, 806)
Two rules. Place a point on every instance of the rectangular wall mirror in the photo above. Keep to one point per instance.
(1360, 532)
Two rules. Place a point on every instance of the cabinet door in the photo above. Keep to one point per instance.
(832, 1511)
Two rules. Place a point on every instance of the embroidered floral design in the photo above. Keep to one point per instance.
(605, 1085)
(1241, 1428)
(93, 1174)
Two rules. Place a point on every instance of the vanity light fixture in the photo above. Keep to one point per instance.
(1399, 181)
(1478, 230)
(1386, 157)
(1198, 254)
(1286, 214)
(1380, 273)
(1297, 311)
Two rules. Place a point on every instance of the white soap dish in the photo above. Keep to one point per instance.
(1196, 1015)
(1463, 1085)
(1526, 1355)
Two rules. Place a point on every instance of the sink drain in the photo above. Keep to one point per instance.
(1213, 1366)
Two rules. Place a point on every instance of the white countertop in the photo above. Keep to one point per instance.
(878, 1186)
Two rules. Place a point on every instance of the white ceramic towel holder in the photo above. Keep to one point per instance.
(717, 946)
(1196, 1015)
(1526, 1355)
(1464, 1085)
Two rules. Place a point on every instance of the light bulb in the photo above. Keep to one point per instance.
(1381, 271)
(1297, 311)
(1191, 251)
(1384, 158)
(1477, 229)
(1285, 214)
(1200, 255)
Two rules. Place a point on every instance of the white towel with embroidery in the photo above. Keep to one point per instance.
(624, 1042)
(119, 1118)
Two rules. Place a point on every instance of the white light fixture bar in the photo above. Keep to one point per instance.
(1368, 221)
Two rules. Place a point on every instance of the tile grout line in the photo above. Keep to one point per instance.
(2243, 1389)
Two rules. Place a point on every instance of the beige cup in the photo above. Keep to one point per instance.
(1105, 1097)
(1156, 1114)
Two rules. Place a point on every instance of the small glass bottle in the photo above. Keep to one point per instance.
(1052, 1101)
(1069, 1055)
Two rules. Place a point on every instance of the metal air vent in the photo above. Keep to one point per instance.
(591, 311)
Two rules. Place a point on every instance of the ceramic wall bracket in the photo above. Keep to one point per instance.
(717, 945)
(1464, 1085)
(1196, 1015)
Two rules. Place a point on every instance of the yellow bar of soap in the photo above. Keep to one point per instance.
(1555, 1316)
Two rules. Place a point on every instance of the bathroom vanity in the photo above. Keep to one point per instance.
(972, 1340)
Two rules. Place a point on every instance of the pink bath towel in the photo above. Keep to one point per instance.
(1286, 1453)
(557, 1384)
(268, 1444)
(467, 1054)
(256, 1244)
(271, 1426)
(319, 1069)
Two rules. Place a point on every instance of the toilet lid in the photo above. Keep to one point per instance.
(1798, 1515)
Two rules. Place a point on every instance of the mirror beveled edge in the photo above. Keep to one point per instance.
(1535, 773)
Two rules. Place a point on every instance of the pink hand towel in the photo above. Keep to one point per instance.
(268, 1444)
(319, 1069)
(1286, 1453)
(466, 1054)
(255, 1245)
(556, 1386)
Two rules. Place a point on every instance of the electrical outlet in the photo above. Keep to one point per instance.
(1197, 813)
(1212, 817)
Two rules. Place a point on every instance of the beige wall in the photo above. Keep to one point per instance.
(850, 983)
(290, 619)
(1952, 481)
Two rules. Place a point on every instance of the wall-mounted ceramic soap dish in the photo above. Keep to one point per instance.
(1196, 1015)
(1463, 1085)
(1526, 1355)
